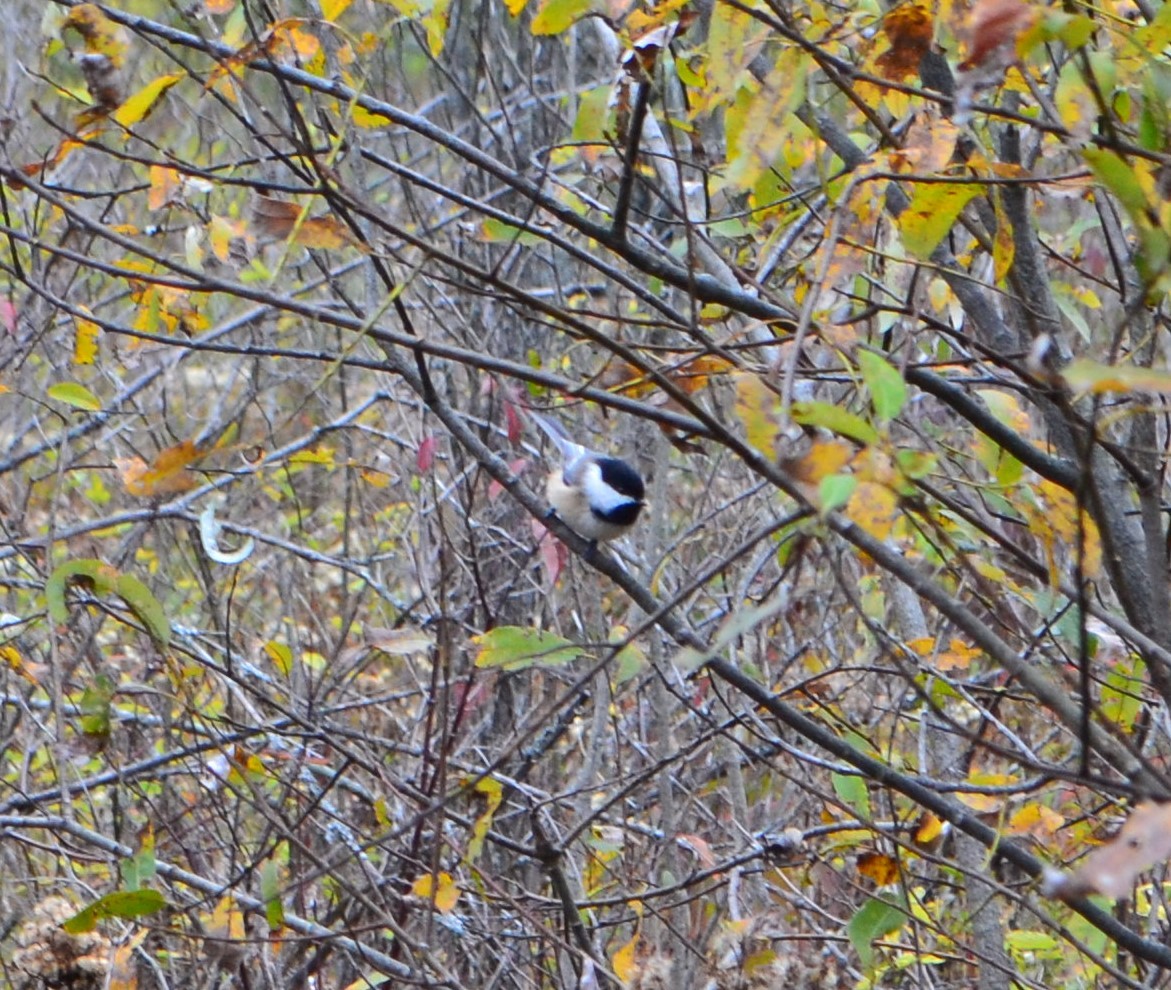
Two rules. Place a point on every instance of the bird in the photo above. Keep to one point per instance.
(598, 496)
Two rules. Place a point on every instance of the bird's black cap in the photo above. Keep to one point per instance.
(622, 478)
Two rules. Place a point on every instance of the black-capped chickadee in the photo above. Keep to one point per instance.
(599, 497)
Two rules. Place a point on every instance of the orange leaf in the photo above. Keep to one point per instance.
(274, 218)
(327, 233)
(164, 184)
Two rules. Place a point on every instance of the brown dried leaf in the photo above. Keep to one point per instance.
(167, 475)
(910, 29)
(879, 867)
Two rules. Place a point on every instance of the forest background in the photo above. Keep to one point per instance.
(299, 684)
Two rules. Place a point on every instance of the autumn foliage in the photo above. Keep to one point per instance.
(302, 684)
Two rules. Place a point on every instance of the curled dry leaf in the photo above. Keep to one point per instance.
(993, 31)
(910, 29)
(1111, 869)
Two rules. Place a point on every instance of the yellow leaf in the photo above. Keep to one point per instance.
(825, 457)
(1003, 245)
(986, 802)
(924, 646)
(1036, 820)
(757, 406)
(85, 341)
(555, 16)
(443, 894)
(928, 830)
(281, 655)
(435, 25)
(364, 118)
(139, 106)
(493, 791)
(102, 36)
(1084, 375)
(227, 921)
(874, 508)
(331, 10)
(220, 232)
(623, 961)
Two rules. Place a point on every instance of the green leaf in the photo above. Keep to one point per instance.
(932, 212)
(1117, 176)
(1122, 695)
(142, 866)
(593, 116)
(834, 418)
(888, 391)
(835, 490)
(95, 707)
(876, 918)
(97, 575)
(270, 893)
(144, 605)
(519, 647)
(555, 16)
(741, 621)
(1037, 944)
(499, 232)
(75, 395)
(119, 904)
(852, 792)
(107, 580)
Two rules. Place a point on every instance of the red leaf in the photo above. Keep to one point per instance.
(426, 456)
(513, 423)
(553, 552)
